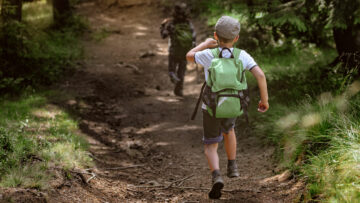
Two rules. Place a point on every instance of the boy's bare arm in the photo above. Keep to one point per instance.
(208, 43)
(261, 79)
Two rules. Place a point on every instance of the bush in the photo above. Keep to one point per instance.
(30, 57)
(6, 147)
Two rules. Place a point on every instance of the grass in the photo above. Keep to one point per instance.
(35, 137)
(315, 126)
(334, 172)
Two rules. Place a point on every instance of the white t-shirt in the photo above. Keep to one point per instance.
(205, 57)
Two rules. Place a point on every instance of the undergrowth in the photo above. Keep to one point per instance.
(37, 137)
(30, 56)
(313, 119)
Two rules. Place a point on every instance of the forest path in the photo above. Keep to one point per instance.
(144, 146)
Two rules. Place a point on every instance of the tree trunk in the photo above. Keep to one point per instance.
(62, 11)
(348, 47)
(346, 40)
(11, 10)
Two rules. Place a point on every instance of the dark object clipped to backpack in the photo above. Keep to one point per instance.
(225, 93)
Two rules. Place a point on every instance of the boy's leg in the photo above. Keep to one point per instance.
(181, 75)
(212, 156)
(182, 69)
(230, 148)
(230, 144)
(172, 68)
(212, 136)
(213, 161)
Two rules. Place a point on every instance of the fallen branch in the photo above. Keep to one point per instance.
(181, 180)
(80, 174)
(94, 157)
(93, 176)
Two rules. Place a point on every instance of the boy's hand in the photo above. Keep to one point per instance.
(210, 43)
(263, 106)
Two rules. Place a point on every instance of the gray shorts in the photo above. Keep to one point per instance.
(215, 127)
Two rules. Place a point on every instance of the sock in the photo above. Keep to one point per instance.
(215, 173)
(231, 162)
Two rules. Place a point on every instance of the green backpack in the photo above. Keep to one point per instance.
(225, 91)
(183, 37)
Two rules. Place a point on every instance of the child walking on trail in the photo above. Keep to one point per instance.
(182, 38)
(216, 129)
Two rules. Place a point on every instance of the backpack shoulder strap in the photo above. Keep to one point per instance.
(215, 52)
(236, 53)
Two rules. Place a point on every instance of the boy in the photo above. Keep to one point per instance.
(215, 129)
(182, 38)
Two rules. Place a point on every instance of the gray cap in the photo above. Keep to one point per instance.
(227, 27)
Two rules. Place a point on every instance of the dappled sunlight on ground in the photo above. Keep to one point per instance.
(183, 128)
(168, 99)
(162, 143)
(49, 111)
(153, 128)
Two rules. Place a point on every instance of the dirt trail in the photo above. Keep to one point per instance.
(144, 146)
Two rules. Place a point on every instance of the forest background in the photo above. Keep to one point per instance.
(309, 50)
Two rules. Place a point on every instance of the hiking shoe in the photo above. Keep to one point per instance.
(218, 184)
(178, 91)
(232, 170)
(174, 78)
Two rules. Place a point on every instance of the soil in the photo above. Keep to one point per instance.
(144, 146)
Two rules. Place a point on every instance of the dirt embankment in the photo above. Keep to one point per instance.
(144, 146)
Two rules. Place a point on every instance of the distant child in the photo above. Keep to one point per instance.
(216, 129)
(182, 38)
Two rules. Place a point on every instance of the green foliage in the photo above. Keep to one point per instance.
(333, 172)
(6, 145)
(314, 121)
(283, 14)
(35, 135)
(29, 56)
(341, 13)
(306, 20)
